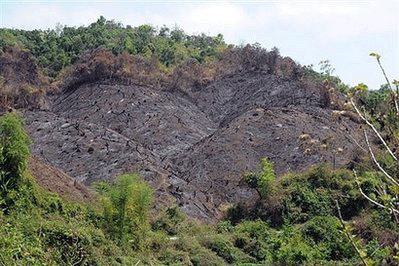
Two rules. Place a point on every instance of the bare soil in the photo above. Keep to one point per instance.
(54, 180)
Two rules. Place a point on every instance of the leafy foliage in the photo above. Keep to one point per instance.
(381, 187)
(309, 231)
(324, 231)
(126, 205)
(315, 192)
(264, 182)
(57, 48)
(14, 155)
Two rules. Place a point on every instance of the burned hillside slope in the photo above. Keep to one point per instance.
(237, 93)
(194, 143)
(21, 83)
(293, 138)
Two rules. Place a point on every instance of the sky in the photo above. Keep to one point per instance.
(343, 32)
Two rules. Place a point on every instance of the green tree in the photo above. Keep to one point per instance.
(7, 38)
(264, 182)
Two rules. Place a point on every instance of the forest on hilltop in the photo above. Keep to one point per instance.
(329, 213)
(57, 48)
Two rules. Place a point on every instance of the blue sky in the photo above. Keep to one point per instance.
(344, 32)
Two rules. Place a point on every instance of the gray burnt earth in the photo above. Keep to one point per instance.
(194, 144)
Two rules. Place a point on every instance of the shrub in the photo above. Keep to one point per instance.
(265, 182)
(252, 238)
(70, 249)
(221, 246)
(377, 252)
(324, 233)
(14, 155)
(297, 251)
(314, 192)
(169, 220)
(126, 206)
(205, 257)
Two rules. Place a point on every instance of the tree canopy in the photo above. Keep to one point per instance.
(62, 46)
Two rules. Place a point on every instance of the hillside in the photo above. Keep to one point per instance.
(193, 143)
(145, 146)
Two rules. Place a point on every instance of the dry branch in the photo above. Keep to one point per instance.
(363, 117)
(349, 236)
(371, 200)
(376, 162)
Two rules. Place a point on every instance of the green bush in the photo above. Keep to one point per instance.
(126, 204)
(314, 193)
(377, 252)
(324, 232)
(205, 257)
(265, 182)
(295, 250)
(223, 247)
(169, 220)
(14, 155)
(253, 238)
(69, 249)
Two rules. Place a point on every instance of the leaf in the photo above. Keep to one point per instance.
(376, 55)
(361, 87)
